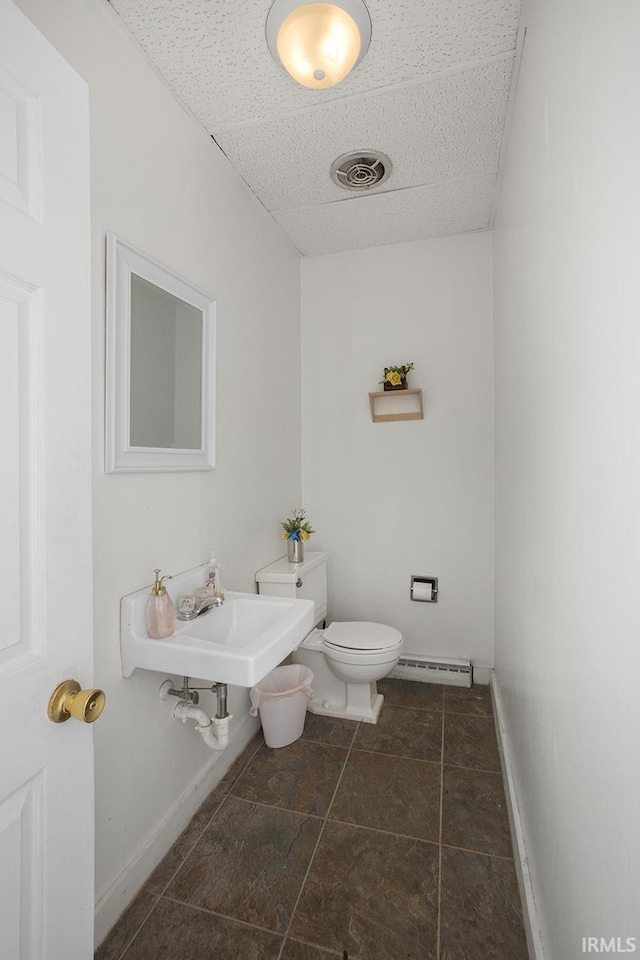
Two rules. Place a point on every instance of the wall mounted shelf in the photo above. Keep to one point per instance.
(386, 405)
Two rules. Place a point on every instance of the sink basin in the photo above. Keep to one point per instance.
(239, 642)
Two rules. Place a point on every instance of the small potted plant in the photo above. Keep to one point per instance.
(395, 378)
(297, 529)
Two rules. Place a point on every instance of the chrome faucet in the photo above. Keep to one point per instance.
(206, 603)
(189, 607)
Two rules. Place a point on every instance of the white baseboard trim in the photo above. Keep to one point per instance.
(529, 906)
(143, 861)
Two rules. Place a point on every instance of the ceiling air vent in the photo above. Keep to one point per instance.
(360, 170)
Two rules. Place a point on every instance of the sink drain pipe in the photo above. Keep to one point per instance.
(221, 700)
(213, 730)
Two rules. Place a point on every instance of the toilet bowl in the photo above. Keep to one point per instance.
(348, 657)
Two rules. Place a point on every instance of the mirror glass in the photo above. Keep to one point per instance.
(165, 375)
(160, 366)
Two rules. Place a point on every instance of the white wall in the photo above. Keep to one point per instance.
(412, 497)
(160, 183)
(567, 299)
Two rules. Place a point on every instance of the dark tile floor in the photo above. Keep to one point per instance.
(375, 842)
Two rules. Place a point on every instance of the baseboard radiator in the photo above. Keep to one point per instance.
(458, 673)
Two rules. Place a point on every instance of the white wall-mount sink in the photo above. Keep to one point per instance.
(238, 643)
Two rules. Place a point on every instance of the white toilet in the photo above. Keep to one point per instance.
(347, 658)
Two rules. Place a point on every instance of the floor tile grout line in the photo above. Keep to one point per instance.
(458, 766)
(205, 827)
(413, 706)
(275, 806)
(302, 886)
(322, 743)
(139, 927)
(319, 743)
(304, 880)
(447, 763)
(322, 829)
(163, 890)
(386, 833)
(430, 708)
(474, 687)
(249, 760)
(479, 853)
(396, 756)
(223, 916)
(325, 743)
(346, 823)
(473, 716)
(317, 946)
(189, 851)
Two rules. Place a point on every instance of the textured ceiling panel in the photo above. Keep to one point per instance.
(448, 128)
(214, 54)
(434, 211)
(432, 93)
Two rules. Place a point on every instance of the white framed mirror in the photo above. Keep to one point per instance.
(160, 367)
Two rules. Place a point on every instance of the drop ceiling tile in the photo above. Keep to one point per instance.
(414, 214)
(432, 93)
(214, 53)
(445, 129)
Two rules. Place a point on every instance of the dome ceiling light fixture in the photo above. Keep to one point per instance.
(318, 44)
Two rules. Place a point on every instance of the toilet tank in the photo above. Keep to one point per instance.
(299, 581)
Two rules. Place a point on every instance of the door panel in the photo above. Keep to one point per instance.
(46, 769)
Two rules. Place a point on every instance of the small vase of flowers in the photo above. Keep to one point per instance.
(395, 378)
(297, 529)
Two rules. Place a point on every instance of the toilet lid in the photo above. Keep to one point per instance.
(361, 635)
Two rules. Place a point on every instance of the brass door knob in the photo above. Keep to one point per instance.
(68, 700)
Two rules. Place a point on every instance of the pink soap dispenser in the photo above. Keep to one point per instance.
(160, 612)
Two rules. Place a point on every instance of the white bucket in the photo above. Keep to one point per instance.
(281, 697)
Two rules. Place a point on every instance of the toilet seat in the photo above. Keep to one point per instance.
(360, 638)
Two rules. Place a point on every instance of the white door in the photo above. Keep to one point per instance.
(46, 769)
